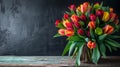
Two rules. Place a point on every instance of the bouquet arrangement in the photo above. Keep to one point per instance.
(89, 29)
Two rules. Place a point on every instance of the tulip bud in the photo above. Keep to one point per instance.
(99, 13)
(105, 17)
(98, 31)
(116, 22)
(91, 44)
(108, 29)
(57, 22)
(92, 17)
(83, 17)
(84, 7)
(96, 5)
(72, 7)
(67, 24)
(65, 16)
(111, 9)
(69, 32)
(88, 33)
(112, 17)
(74, 18)
(77, 25)
(61, 32)
(80, 32)
(91, 24)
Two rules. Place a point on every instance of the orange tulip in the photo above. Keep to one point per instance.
(61, 32)
(108, 29)
(91, 44)
(69, 32)
(91, 24)
(74, 18)
(111, 9)
(84, 7)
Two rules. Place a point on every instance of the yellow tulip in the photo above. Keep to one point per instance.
(105, 17)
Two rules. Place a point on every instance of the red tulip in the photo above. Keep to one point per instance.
(69, 32)
(91, 44)
(112, 16)
(99, 13)
(77, 25)
(57, 22)
(65, 16)
(88, 33)
(91, 24)
(80, 32)
(67, 24)
(92, 17)
(74, 18)
(108, 29)
(72, 7)
(61, 32)
(116, 21)
(83, 17)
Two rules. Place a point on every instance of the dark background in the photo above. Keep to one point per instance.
(27, 26)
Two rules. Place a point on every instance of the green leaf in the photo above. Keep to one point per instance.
(72, 47)
(109, 47)
(112, 42)
(95, 55)
(57, 35)
(60, 25)
(102, 49)
(75, 38)
(79, 53)
(75, 51)
(102, 37)
(66, 48)
(113, 36)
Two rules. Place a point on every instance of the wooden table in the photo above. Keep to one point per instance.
(53, 61)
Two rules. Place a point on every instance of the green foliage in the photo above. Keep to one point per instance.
(72, 47)
(102, 49)
(95, 55)
(75, 38)
(60, 25)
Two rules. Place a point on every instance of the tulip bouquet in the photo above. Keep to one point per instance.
(90, 29)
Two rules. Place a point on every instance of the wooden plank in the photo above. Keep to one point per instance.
(54, 61)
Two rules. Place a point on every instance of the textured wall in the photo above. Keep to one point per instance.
(27, 26)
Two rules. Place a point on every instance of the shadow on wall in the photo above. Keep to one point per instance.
(27, 26)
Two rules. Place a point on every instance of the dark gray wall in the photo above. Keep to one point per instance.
(27, 26)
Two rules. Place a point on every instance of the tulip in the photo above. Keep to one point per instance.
(80, 32)
(111, 9)
(105, 17)
(83, 17)
(61, 32)
(96, 5)
(69, 32)
(99, 13)
(98, 31)
(57, 22)
(91, 24)
(84, 7)
(88, 33)
(91, 44)
(72, 7)
(67, 24)
(92, 17)
(108, 29)
(112, 16)
(116, 22)
(77, 25)
(74, 18)
(65, 16)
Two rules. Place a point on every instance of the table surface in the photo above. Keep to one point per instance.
(54, 61)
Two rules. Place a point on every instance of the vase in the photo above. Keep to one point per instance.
(86, 55)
